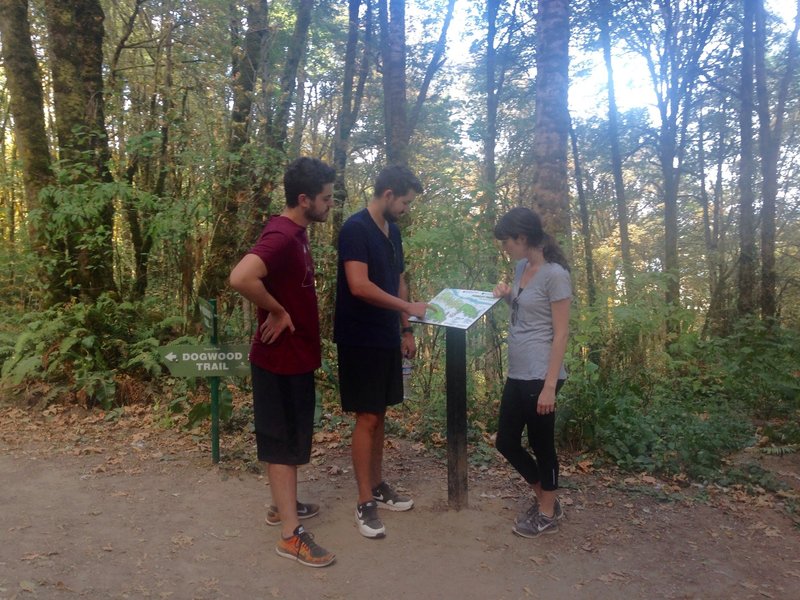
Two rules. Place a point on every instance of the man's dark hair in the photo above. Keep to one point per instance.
(306, 176)
(397, 178)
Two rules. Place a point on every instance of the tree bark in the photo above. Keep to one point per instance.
(296, 143)
(551, 128)
(75, 30)
(351, 103)
(493, 89)
(294, 54)
(746, 273)
(227, 238)
(393, 54)
(770, 139)
(26, 101)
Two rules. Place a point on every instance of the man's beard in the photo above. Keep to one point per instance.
(316, 216)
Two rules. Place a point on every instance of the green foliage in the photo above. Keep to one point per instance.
(683, 409)
(200, 411)
(81, 348)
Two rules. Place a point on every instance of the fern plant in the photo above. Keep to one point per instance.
(81, 348)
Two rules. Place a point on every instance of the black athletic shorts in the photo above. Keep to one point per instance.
(370, 379)
(283, 410)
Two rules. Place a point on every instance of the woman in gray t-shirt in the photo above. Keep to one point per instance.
(537, 341)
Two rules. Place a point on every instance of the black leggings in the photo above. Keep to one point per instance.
(518, 410)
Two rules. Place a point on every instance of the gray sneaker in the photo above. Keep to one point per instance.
(538, 524)
(533, 509)
(304, 511)
(387, 497)
(369, 525)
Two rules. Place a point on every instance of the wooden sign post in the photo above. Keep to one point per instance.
(457, 311)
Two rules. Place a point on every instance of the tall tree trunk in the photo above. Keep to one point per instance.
(75, 29)
(493, 359)
(616, 155)
(27, 108)
(708, 216)
(436, 62)
(393, 54)
(670, 173)
(296, 143)
(672, 36)
(297, 48)
(152, 169)
(398, 124)
(227, 237)
(746, 275)
(586, 230)
(551, 128)
(493, 89)
(351, 103)
(770, 138)
(718, 320)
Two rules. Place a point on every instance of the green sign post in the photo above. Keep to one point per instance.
(212, 361)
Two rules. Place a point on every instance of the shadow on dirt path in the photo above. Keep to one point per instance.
(91, 509)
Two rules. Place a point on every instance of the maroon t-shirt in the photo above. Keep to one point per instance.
(283, 246)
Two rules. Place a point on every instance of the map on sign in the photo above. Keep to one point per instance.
(457, 308)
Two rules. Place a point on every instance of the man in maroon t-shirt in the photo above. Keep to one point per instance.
(277, 275)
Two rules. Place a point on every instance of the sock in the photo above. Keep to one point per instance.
(297, 531)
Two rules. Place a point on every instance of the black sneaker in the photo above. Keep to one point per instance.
(387, 497)
(369, 525)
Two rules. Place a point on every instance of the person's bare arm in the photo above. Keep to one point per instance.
(408, 345)
(362, 288)
(560, 312)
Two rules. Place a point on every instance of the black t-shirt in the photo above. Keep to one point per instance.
(357, 323)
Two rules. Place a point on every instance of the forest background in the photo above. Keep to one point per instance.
(144, 141)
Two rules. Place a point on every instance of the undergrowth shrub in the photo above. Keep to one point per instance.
(682, 409)
(80, 348)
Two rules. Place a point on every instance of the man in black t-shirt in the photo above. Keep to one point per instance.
(372, 333)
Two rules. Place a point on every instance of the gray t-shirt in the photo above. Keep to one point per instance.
(530, 335)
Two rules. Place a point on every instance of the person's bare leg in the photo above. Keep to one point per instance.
(376, 470)
(283, 483)
(362, 450)
(537, 489)
(547, 503)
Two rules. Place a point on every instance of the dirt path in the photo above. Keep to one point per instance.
(90, 509)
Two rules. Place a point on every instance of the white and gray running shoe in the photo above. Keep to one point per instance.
(537, 525)
(369, 524)
(534, 509)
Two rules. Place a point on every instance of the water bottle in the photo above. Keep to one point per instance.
(407, 368)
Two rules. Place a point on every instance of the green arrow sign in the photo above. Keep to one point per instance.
(206, 361)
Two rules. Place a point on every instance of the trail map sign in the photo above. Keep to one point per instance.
(457, 308)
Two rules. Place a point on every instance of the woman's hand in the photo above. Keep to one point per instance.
(547, 401)
(502, 290)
